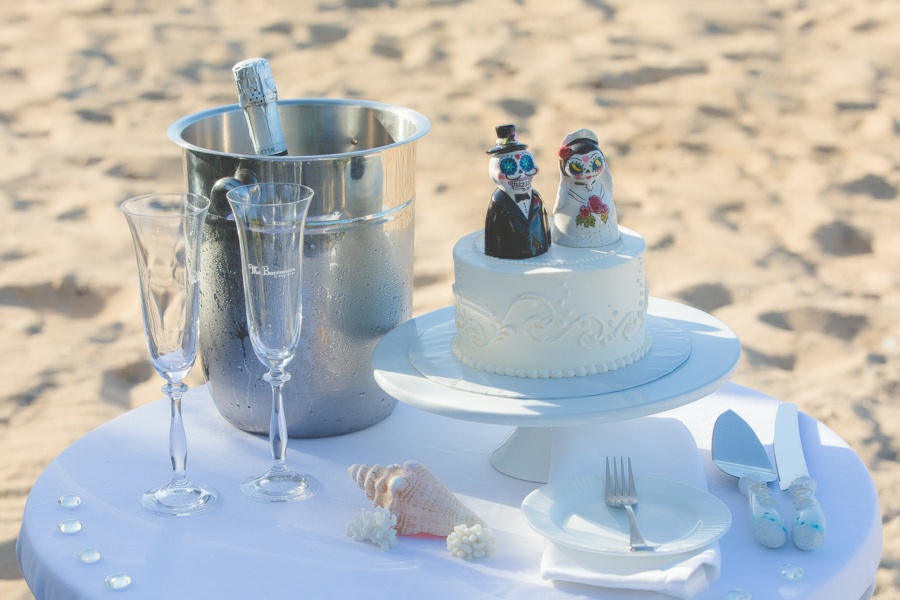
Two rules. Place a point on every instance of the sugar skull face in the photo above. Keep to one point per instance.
(584, 168)
(513, 171)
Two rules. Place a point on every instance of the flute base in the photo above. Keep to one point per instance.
(180, 499)
(280, 485)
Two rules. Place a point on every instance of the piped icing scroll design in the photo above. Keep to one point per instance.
(549, 326)
(633, 324)
(544, 326)
(481, 332)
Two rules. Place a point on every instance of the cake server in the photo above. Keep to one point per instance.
(737, 451)
(808, 531)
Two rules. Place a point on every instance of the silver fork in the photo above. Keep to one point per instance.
(620, 492)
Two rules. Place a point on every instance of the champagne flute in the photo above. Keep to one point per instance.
(166, 230)
(270, 219)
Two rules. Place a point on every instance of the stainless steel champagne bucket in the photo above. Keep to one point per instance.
(359, 157)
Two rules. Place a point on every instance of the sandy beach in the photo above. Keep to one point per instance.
(755, 145)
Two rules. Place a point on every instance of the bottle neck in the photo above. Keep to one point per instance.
(258, 98)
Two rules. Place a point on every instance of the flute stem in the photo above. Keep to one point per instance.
(278, 424)
(279, 484)
(180, 497)
(177, 438)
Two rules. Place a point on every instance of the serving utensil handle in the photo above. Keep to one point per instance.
(765, 520)
(808, 531)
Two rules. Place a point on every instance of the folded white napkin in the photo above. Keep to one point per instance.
(658, 447)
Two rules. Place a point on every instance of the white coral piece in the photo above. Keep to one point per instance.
(374, 526)
(471, 542)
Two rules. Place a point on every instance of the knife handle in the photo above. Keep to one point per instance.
(808, 531)
(765, 520)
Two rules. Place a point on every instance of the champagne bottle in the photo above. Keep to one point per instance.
(259, 100)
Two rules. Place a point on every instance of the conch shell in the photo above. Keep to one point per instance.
(419, 500)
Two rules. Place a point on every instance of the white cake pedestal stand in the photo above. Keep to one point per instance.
(525, 454)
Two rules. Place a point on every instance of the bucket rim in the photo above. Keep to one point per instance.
(423, 126)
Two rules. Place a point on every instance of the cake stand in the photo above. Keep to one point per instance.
(525, 454)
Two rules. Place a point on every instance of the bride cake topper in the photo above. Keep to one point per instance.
(585, 214)
(516, 225)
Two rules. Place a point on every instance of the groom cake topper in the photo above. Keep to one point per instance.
(516, 225)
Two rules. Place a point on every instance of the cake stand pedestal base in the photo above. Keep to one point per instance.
(525, 454)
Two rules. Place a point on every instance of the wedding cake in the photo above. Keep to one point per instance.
(541, 300)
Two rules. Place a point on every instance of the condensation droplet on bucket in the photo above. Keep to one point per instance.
(69, 500)
(69, 526)
(118, 581)
(738, 594)
(89, 555)
(792, 572)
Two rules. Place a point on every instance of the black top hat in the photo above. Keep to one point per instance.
(506, 140)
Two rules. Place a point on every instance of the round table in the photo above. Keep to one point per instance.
(244, 549)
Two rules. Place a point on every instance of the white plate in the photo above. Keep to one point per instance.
(678, 517)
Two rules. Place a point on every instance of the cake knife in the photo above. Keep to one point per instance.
(737, 451)
(808, 531)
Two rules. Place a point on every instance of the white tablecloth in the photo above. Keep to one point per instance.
(244, 549)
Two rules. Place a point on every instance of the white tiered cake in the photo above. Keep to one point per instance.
(568, 312)
(575, 307)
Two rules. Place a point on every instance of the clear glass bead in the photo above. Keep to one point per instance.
(738, 594)
(89, 555)
(69, 526)
(118, 581)
(792, 572)
(69, 500)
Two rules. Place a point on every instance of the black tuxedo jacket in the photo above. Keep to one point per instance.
(509, 234)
